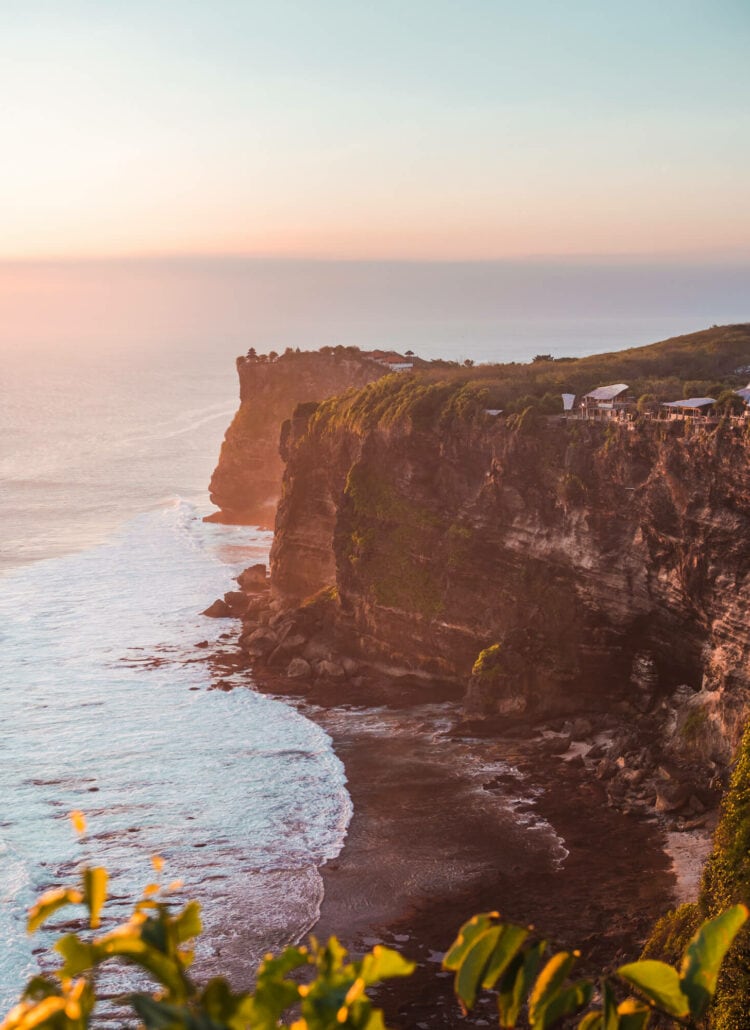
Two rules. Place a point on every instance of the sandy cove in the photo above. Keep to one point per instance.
(446, 825)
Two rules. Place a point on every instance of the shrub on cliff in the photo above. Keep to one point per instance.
(488, 954)
(726, 880)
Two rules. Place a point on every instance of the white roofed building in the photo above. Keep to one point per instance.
(606, 400)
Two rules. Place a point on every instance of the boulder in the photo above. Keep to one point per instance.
(330, 670)
(260, 642)
(236, 602)
(316, 650)
(556, 745)
(218, 610)
(672, 797)
(254, 579)
(299, 669)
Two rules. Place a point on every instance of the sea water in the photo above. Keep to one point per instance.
(105, 701)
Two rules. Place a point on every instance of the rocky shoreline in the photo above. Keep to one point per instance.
(634, 843)
(630, 751)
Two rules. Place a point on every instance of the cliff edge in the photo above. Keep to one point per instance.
(246, 483)
(550, 565)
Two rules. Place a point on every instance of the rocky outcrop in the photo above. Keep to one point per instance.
(246, 483)
(603, 565)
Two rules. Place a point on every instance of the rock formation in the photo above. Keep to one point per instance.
(601, 564)
(246, 483)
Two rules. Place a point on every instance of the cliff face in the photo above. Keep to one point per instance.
(605, 563)
(246, 483)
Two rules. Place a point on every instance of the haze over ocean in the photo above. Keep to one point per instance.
(489, 311)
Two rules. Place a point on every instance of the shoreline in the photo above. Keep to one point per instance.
(434, 838)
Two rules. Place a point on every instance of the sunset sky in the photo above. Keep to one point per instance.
(402, 128)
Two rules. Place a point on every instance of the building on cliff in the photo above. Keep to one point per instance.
(694, 407)
(606, 401)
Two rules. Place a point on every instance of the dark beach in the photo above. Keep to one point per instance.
(446, 825)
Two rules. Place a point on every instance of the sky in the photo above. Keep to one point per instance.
(406, 129)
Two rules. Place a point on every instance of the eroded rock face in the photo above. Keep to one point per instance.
(246, 483)
(609, 564)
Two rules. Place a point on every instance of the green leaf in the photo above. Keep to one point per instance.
(704, 955)
(40, 987)
(660, 983)
(473, 965)
(94, 892)
(78, 955)
(565, 1002)
(549, 981)
(128, 946)
(509, 944)
(516, 983)
(382, 964)
(632, 1015)
(592, 1021)
(188, 923)
(156, 1015)
(49, 903)
(466, 937)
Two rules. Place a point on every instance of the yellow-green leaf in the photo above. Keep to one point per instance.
(516, 983)
(704, 955)
(382, 964)
(632, 1015)
(78, 955)
(565, 1002)
(473, 965)
(94, 892)
(548, 982)
(509, 943)
(466, 937)
(188, 922)
(660, 983)
(49, 903)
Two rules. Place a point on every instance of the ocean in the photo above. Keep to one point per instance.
(114, 400)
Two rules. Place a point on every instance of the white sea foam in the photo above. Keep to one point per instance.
(241, 794)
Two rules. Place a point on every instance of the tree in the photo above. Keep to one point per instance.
(251, 354)
(730, 403)
(647, 403)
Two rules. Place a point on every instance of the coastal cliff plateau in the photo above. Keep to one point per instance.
(246, 483)
(548, 565)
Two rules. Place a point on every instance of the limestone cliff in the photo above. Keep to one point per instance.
(606, 562)
(246, 483)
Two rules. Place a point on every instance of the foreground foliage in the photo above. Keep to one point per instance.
(318, 988)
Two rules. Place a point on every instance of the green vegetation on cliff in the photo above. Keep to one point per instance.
(726, 881)
(703, 363)
(385, 529)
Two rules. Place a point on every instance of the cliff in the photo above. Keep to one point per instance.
(570, 565)
(246, 483)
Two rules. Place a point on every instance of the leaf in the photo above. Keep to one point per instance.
(383, 964)
(548, 982)
(188, 923)
(466, 937)
(156, 1015)
(131, 948)
(592, 1021)
(49, 903)
(660, 983)
(94, 893)
(473, 965)
(78, 955)
(704, 955)
(565, 1002)
(509, 944)
(632, 1015)
(516, 983)
(78, 819)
